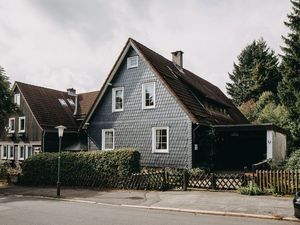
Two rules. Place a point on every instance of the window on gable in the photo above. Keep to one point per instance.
(132, 62)
(160, 139)
(21, 124)
(108, 142)
(11, 125)
(62, 102)
(117, 99)
(17, 99)
(148, 98)
(71, 102)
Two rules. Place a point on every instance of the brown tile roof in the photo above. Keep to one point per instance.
(85, 102)
(190, 89)
(47, 109)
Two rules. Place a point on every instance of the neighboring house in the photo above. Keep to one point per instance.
(39, 110)
(159, 108)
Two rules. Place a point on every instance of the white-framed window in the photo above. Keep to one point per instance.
(62, 102)
(118, 99)
(29, 151)
(3, 149)
(148, 95)
(11, 153)
(71, 102)
(22, 124)
(11, 125)
(160, 139)
(17, 98)
(108, 139)
(132, 62)
(21, 152)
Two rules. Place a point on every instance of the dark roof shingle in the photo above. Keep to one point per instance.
(189, 88)
(48, 111)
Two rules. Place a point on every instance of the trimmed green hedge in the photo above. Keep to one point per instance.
(97, 168)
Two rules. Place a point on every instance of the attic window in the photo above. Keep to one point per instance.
(62, 102)
(17, 99)
(71, 102)
(132, 62)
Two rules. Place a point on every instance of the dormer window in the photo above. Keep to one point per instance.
(62, 102)
(132, 62)
(11, 125)
(22, 124)
(148, 95)
(71, 102)
(17, 99)
(118, 99)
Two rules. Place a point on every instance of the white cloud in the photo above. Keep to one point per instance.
(63, 44)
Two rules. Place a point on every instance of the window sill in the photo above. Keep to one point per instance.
(160, 151)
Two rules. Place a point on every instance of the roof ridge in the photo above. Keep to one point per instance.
(32, 85)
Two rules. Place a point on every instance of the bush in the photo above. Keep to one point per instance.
(81, 169)
(250, 189)
(293, 162)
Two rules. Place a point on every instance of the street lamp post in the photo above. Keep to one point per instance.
(60, 135)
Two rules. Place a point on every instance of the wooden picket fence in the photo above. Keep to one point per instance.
(280, 181)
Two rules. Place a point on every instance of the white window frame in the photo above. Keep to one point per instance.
(71, 102)
(10, 131)
(10, 148)
(62, 102)
(129, 62)
(27, 150)
(17, 99)
(144, 95)
(22, 118)
(103, 139)
(2, 151)
(114, 90)
(19, 152)
(154, 150)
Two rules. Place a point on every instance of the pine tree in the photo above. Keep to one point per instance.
(289, 88)
(255, 72)
(6, 104)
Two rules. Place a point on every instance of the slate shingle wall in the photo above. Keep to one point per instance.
(133, 126)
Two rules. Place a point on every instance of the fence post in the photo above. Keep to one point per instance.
(213, 181)
(164, 181)
(185, 180)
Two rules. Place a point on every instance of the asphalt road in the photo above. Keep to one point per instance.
(34, 211)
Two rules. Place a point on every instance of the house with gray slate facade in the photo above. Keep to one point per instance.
(173, 117)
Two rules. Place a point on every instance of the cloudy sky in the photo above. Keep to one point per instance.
(74, 43)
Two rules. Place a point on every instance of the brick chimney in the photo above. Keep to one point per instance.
(177, 58)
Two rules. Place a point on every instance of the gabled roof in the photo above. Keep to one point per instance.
(46, 108)
(189, 89)
(85, 102)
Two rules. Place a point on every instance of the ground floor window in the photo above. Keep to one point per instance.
(28, 151)
(11, 152)
(21, 152)
(108, 136)
(160, 139)
(3, 151)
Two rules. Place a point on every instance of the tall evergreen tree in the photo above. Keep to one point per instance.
(289, 87)
(6, 104)
(255, 72)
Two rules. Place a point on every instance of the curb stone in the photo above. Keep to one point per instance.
(203, 212)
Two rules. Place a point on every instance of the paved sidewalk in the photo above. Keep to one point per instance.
(191, 200)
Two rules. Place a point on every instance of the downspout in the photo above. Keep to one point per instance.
(194, 132)
(43, 141)
(76, 105)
